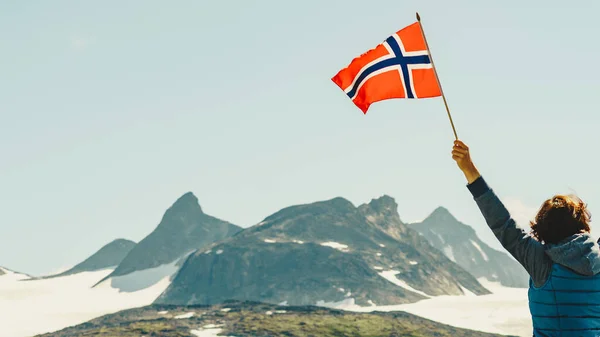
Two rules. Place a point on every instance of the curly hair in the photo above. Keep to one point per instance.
(560, 217)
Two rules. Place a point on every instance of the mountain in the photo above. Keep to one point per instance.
(461, 245)
(183, 228)
(328, 251)
(109, 256)
(257, 319)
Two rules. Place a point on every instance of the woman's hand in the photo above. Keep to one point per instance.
(460, 154)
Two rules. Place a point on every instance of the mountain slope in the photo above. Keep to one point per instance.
(183, 228)
(461, 245)
(11, 274)
(257, 319)
(110, 255)
(325, 251)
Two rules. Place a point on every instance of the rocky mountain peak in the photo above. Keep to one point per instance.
(461, 244)
(376, 249)
(186, 201)
(183, 211)
(381, 209)
(110, 255)
(119, 243)
(384, 204)
(336, 205)
(183, 228)
(443, 221)
(339, 203)
(441, 214)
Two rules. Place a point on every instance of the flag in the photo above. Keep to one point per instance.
(400, 67)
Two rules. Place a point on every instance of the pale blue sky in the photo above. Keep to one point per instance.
(109, 111)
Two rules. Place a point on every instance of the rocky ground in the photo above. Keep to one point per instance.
(256, 319)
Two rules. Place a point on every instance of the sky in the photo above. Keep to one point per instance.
(109, 111)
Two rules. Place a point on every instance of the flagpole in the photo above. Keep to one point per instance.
(436, 77)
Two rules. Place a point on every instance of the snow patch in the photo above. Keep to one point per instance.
(390, 275)
(220, 251)
(46, 305)
(505, 311)
(378, 268)
(495, 286)
(335, 245)
(208, 252)
(483, 254)
(298, 242)
(381, 245)
(184, 316)
(270, 241)
(378, 254)
(341, 290)
(372, 303)
(163, 312)
(348, 302)
(466, 291)
(284, 303)
(226, 309)
(269, 313)
(209, 330)
(413, 262)
(441, 238)
(142, 279)
(449, 253)
(280, 311)
(11, 276)
(212, 326)
(348, 294)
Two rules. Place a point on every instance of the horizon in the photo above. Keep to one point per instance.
(112, 111)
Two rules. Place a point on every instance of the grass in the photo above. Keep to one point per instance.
(252, 320)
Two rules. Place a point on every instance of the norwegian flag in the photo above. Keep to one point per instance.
(400, 67)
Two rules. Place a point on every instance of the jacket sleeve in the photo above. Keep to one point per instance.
(523, 247)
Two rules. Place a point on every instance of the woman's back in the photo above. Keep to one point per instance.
(568, 303)
(559, 254)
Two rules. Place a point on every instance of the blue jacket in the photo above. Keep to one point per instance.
(564, 288)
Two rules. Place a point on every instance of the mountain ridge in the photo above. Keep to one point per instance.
(461, 244)
(108, 256)
(183, 228)
(271, 261)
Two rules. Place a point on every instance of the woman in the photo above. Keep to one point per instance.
(561, 257)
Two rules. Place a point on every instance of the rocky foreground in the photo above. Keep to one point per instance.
(256, 319)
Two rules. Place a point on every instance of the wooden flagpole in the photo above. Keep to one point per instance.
(436, 77)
